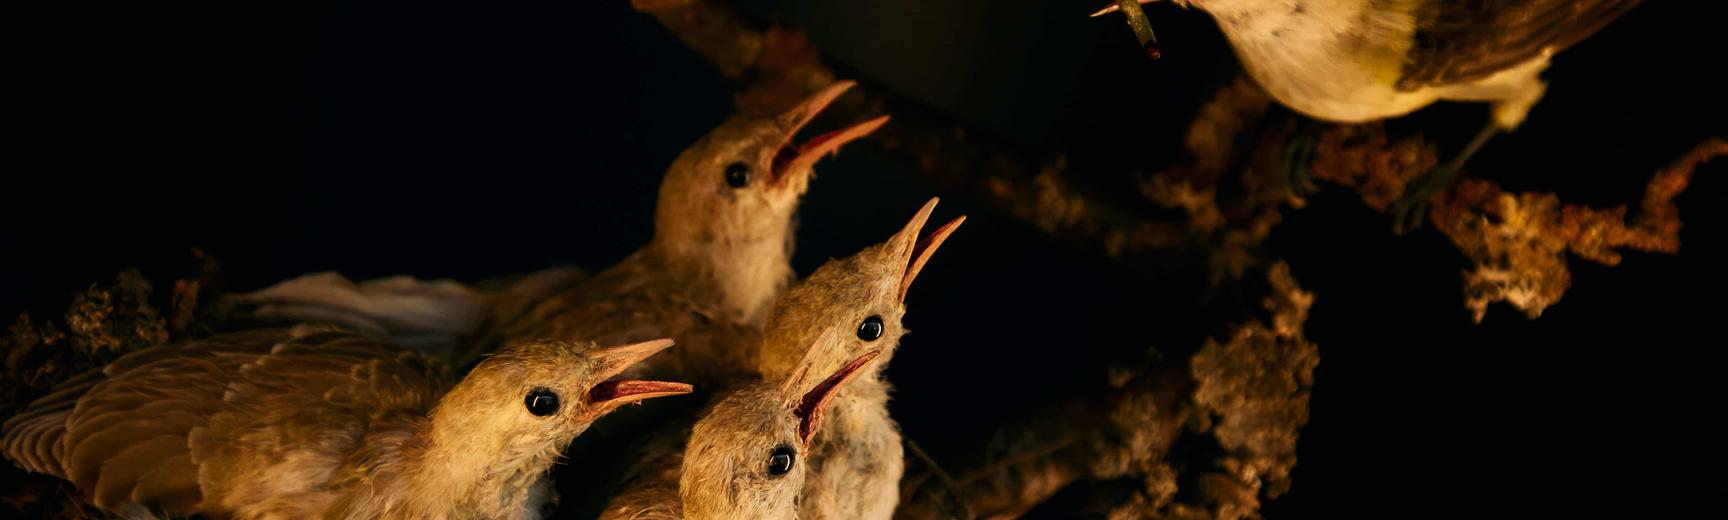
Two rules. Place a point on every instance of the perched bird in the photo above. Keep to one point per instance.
(1352, 61)
(720, 254)
(316, 422)
(857, 463)
(748, 457)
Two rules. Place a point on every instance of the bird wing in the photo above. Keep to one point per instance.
(125, 429)
(1464, 41)
(33, 436)
(625, 304)
(142, 429)
(431, 316)
(291, 419)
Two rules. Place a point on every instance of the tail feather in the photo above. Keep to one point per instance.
(33, 440)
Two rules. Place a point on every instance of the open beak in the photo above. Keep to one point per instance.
(793, 159)
(814, 402)
(613, 361)
(918, 252)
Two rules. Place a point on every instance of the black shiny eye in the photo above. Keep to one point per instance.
(737, 174)
(542, 402)
(870, 329)
(782, 460)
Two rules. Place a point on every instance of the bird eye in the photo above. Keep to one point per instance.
(737, 174)
(782, 460)
(870, 329)
(542, 402)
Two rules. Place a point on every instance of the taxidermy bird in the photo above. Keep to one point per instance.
(434, 317)
(316, 422)
(1353, 61)
(856, 464)
(748, 457)
(720, 254)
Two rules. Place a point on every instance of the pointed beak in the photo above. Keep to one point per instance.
(918, 252)
(792, 159)
(1114, 7)
(613, 361)
(814, 402)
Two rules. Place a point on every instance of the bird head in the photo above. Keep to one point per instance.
(518, 408)
(745, 457)
(742, 181)
(864, 293)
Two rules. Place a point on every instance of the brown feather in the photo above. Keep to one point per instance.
(293, 423)
(1466, 41)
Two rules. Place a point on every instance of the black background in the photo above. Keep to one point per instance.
(449, 139)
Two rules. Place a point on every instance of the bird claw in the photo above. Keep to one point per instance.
(1299, 161)
(1407, 214)
(1412, 208)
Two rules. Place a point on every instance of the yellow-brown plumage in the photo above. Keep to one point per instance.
(750, 454)
(854, 465)
(857, 462)
(315, 422)
(720, 254)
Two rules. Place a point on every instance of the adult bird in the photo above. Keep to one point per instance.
(315, 422)
(1353, 61)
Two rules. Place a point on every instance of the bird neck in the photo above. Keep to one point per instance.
(860, 408)
(742, 275)
(449, 467)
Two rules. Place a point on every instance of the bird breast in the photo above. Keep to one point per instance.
(1334, 60)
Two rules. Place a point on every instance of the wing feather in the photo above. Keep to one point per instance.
(275, 410)
(1465, 41)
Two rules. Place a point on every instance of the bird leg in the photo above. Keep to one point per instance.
(1408, 212)
(1299, 158)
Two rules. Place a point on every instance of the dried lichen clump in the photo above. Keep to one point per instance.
(1518, 241)
(1250, 396)
(1247, 394)
(1251, 392)
(1363, 159)
(101, 324)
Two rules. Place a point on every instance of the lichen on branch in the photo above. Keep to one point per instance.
(1518, 241)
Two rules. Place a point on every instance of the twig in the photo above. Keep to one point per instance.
(947, 481)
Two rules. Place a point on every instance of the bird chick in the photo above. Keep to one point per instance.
(720, 253)
(857, 463)
(742, 460)
(749, 455)
(315, 422)
(1353, 61)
